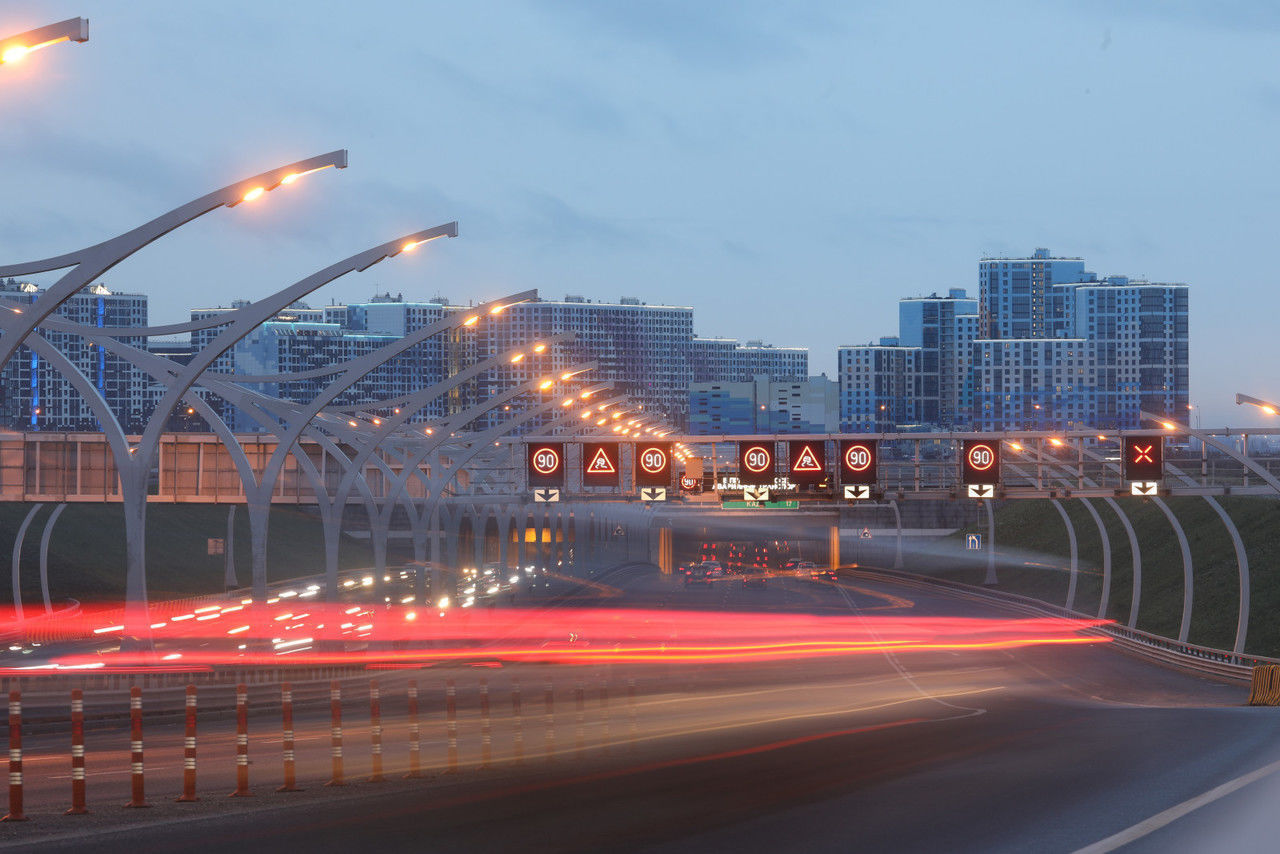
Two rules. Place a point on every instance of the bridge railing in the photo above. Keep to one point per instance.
(1220, 663)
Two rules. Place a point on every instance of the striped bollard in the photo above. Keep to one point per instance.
(15, 758)
(242, 743)
(335, 733)
(415, 734)
(77, 754)
(486, 732)
(604, 714)
(579, 723)
(451, 718)
(375, 731)
(137, 797)
(518, 723)
(290, 760)
(189, 751)
(631, 711)
(549, 739)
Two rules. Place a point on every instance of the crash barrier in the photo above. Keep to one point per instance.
(476, 700)
(1265, 688)
(1218, 663)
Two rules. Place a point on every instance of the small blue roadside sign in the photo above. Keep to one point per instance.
(974, 542)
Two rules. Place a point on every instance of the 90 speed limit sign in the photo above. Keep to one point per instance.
(980, 461)
(653, 464)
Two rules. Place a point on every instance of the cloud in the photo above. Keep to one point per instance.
(700, 34)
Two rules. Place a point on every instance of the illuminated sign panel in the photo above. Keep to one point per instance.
(546, 464)
(1143, 458)
(755, 463)
(807, 461)
(980, 461)
(858, 461)
(600, 464)
(653, 464)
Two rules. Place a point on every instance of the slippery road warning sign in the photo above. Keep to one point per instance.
(807, 462)
(600, 464)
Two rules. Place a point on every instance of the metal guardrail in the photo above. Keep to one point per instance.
(1219, 663)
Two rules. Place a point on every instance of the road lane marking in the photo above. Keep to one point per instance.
(1172, 814)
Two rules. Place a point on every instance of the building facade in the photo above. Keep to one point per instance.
(763, 405)
(728, 360)
(1048, 345)
(36, 397)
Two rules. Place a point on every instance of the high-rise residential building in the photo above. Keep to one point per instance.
(763, 405)
(728, 360)
(1050, 347)
(37, 397)
(302, 338)
(1015, 294)
(942, 328)
(1034, 383)
(1140, 331)
(643, 350)
(877, 386)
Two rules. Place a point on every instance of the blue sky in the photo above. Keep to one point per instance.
(790, 170)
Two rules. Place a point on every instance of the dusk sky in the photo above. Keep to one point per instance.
(790, 170)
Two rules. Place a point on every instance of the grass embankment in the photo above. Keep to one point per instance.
(87, 550)
(1033, 559)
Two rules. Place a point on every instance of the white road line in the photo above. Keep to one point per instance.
(1169, 816)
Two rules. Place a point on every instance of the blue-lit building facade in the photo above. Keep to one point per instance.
(36, 397)
(1047, 345)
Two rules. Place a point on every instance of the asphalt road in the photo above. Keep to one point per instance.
(1026, 749)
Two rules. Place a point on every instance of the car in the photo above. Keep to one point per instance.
(804, 567)
(755, 578)
(822, 574)
(697, 575)
(713, 568)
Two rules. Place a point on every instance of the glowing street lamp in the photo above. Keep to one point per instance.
(1265, 405)
(16, 48)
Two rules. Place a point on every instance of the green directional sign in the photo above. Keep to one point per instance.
(788, 504)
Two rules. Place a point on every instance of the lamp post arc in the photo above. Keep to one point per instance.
(134, 463)
(91, 262)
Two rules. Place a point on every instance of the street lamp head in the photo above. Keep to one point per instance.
(259, 185)
(15, 48)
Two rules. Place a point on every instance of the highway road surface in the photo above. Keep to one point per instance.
(1030, 748)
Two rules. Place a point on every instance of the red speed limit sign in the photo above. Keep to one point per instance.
(755, 463)
(980, 461)
(653, 464)
(858, 461)
(546, 464)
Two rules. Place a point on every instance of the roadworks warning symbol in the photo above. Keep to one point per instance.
(601, 464)
(807, 461)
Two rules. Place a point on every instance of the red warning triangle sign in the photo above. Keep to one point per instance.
(807, 461)
(601, 464)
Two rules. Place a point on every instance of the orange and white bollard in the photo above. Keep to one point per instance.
(189, 751)
(549, 739)
(77, 754)
(290, 761)
(137, 796)
(517, 723)
(15, 758)
(631, 712)
(604, 714)
(335, 733)
(579, 724)
(375, 731)
(486, 732)
(451, 719)
(415, 734)
(242, 743)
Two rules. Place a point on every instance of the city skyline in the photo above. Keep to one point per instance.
(756, 158)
